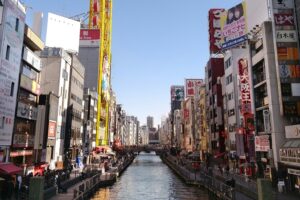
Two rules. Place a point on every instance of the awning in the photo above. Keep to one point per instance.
(9, 168)
(291, 144)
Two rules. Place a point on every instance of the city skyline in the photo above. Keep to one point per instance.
(151, 48)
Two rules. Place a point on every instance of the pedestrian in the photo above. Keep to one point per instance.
(220, 169)
(18, 186)
(227, 170)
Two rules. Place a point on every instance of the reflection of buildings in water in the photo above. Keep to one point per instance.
(103, 194)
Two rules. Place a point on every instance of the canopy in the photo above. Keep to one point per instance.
(291, 144)
(9, 168)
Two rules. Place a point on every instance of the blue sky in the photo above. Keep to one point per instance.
(155, 44)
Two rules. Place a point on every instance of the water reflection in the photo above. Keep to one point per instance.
(148, 178)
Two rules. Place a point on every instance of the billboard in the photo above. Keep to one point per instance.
(286, 36)
(284, 19)
(245, 88)
(89, 37)
(234, 26)
(191, 86)
(262, 143)
(215, 33)
(51, 129)
(62, 33)
(283, 4)
(177, 93)
(105, 78)
(11, 54)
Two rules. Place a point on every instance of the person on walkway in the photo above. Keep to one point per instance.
(227, 170)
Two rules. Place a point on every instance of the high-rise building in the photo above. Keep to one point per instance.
(150, 122)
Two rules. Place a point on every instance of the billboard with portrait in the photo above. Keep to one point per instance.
(234, 26)
(177, 93)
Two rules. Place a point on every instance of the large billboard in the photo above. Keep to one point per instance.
(177, 93)
(191, 86)
(245, 88)
(62, 33)
(12, 42)
(215, 33)
(234, 26)
(90, 37)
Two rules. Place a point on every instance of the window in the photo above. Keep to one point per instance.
(17, 24)
(231, 112)
(7, 52)
(230, 96)
(12, 88)
(228, 79)
(228, 63)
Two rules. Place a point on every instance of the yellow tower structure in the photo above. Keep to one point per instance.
(100, 17)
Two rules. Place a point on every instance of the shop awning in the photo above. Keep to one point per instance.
(291, 144)
(9, 168)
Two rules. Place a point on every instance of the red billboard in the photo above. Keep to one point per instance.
(52, 129)
(191, 85)
(89, 34)
(284, 19)
(215, 33)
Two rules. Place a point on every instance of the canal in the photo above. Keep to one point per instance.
(149, 178)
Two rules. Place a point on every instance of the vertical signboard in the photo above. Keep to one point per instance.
(177, 93)
(89, 37)
(11, 53)
(215, 33)
(288, 56)
(244, 86)
(234, 26)
(191, 85)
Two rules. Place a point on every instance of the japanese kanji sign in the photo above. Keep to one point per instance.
(284, 19)
(191, 85)
(244, 86)
(262, 143)
(215, 33)
(286, 36)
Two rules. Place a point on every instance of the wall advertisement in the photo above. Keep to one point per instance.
(191, 85)
(283, 4)
(244, 86)
(177, 93)
(234, 26)
(284, 19)
(12, 42)
(27, 111)
(106, 78)
(89, 37)
(215, 33)
(262, 143)
(292, 131)
(52, 129)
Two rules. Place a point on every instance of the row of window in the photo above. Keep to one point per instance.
(77, 82)
(229, 79)
(76, 98)
(7, 53)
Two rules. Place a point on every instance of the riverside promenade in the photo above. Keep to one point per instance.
(88, 186)
(215, 182)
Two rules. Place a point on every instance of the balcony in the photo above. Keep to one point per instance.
(30, 85)
(257, 57)
(32, 59)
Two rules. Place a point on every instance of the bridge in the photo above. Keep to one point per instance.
(158, 149)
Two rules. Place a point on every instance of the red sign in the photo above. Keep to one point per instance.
(284, 19)
(262, 143)
(191, 85)
(245, 87)
(89, 34)
(52, 129)
(215, 32)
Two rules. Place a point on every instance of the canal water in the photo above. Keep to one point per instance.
(149, 178)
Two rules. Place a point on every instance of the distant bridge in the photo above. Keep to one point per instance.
(158, 149)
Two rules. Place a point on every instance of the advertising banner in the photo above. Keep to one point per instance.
(234, 26)
(287, 53)
(89, 37)
(244, 86)
(12, 42)
(177, 93)
(286, 36)
(52, 129)
(262, 143)
(191, 85)
(284, 19)
(27, 111)
(105, 78)
(292, 131)
(289, 71)
(215, 33)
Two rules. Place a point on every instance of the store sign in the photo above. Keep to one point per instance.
(244, 86)
(21, 153)
(286, 36)
(283, 4)
(294, 171)
(215, 33)
(10, 67)
(284, 19)
(27, 111)
(52, 129)
(234, 26)
(289, 71)
(191, 85)
(292, 131)
(262, 143)
(177, 93)
(287, 53)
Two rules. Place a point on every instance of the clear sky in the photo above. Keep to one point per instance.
(155, 44)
